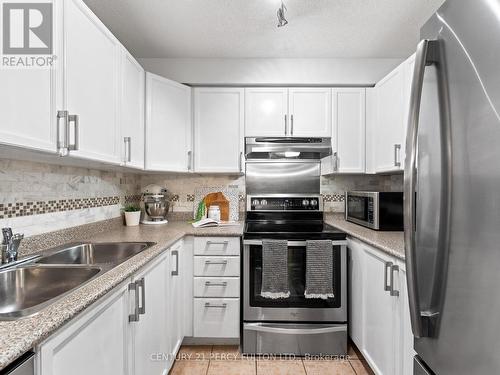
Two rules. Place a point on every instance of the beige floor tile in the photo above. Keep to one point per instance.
(194, 352)
(361, 367)
(189, 368)
(243, 367)
(287, 367)
(328, 368)
(353, 352)
(225, 352)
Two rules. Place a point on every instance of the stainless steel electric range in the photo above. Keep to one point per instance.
(294, 325)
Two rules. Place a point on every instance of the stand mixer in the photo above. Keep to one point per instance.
(155, 204)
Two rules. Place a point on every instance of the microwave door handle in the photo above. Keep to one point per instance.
(428, 53)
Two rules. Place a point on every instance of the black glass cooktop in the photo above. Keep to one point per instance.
(295, 229)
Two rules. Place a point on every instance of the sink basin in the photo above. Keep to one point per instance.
(95, 253)
(26, 290)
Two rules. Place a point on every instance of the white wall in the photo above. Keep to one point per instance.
(204, 71)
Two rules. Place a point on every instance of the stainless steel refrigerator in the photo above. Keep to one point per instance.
(452, 191)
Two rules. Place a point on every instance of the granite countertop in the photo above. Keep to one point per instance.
(389, 242)
(19, 336)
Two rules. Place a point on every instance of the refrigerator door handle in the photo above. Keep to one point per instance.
(424, 323)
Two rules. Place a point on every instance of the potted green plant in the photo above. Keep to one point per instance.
(132, 215)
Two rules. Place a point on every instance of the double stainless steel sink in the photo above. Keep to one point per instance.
(27, 287)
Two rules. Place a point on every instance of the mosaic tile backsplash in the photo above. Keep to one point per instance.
(36, 198)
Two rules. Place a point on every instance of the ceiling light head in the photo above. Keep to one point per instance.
(282, 21)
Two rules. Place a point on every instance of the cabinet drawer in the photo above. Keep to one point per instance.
(216, 286)
(216, 317)
(216, 246)
(216, 266)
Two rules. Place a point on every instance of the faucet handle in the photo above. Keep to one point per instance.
(7, 235)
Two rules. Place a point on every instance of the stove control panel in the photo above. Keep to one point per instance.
(270, 203)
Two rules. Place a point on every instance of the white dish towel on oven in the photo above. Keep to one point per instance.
(275, 269)
(319, 269)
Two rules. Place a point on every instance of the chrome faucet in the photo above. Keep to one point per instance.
(10, 245)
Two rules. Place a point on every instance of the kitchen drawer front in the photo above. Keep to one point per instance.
(217, 287)
(217, 246)
(216, 266)
(217, 317)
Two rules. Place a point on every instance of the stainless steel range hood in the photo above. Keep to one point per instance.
(272, 148)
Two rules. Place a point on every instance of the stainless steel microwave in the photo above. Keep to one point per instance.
(375, 209)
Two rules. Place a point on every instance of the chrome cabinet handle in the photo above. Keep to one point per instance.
(241, 162)
(394, 292)
(216, 262)
(141, 284)
(62, 134)
(285, 125)
(127, 142)
(208, 283)
(218, 242)
(426, 323)
(135, 316)
(387, 267)
(291, 125)
(335, 162)
(397, 152)
(176, 253)
(76, 129)
(221, 306)
(190, 156)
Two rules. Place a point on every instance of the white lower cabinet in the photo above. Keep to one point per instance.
(216, 306)
(97, 342)
(379, 315)
(136, 329)
(150, 334)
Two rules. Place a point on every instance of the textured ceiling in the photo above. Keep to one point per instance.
(247, 28)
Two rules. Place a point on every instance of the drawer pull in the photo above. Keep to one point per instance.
(221, 306)
(218, 242)
(208, 283)
(216, 262)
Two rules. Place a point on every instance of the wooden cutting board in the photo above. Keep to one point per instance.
(218, 199)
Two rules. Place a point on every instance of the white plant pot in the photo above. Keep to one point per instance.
(132, 218)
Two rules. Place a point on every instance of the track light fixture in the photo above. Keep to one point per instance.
(282, 21)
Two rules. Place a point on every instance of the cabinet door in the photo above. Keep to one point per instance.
(150, 333)
(218, 120)
(348, 133)
(168, 125)
(409, 66)
(132, 111)
(27, 112)
(404, 358)
(95, 343)
(389, 133)
(266, 112)
(310, 112)
(378, 314)
(356, 291)
(92, 56)
(187, 284)
(175, 316)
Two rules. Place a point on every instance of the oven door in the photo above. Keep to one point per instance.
(296, 307)
(361, 208)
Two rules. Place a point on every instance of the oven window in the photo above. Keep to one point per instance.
(296, 281)
(358, 207)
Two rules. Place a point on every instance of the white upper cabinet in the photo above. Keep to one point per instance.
(310, 112)
(27, 110)
(266, 112)
(218, 130)
(392, 105)
(92, 59)
(132, 111)
(349, 129)
(294, 112)
(168, 125)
